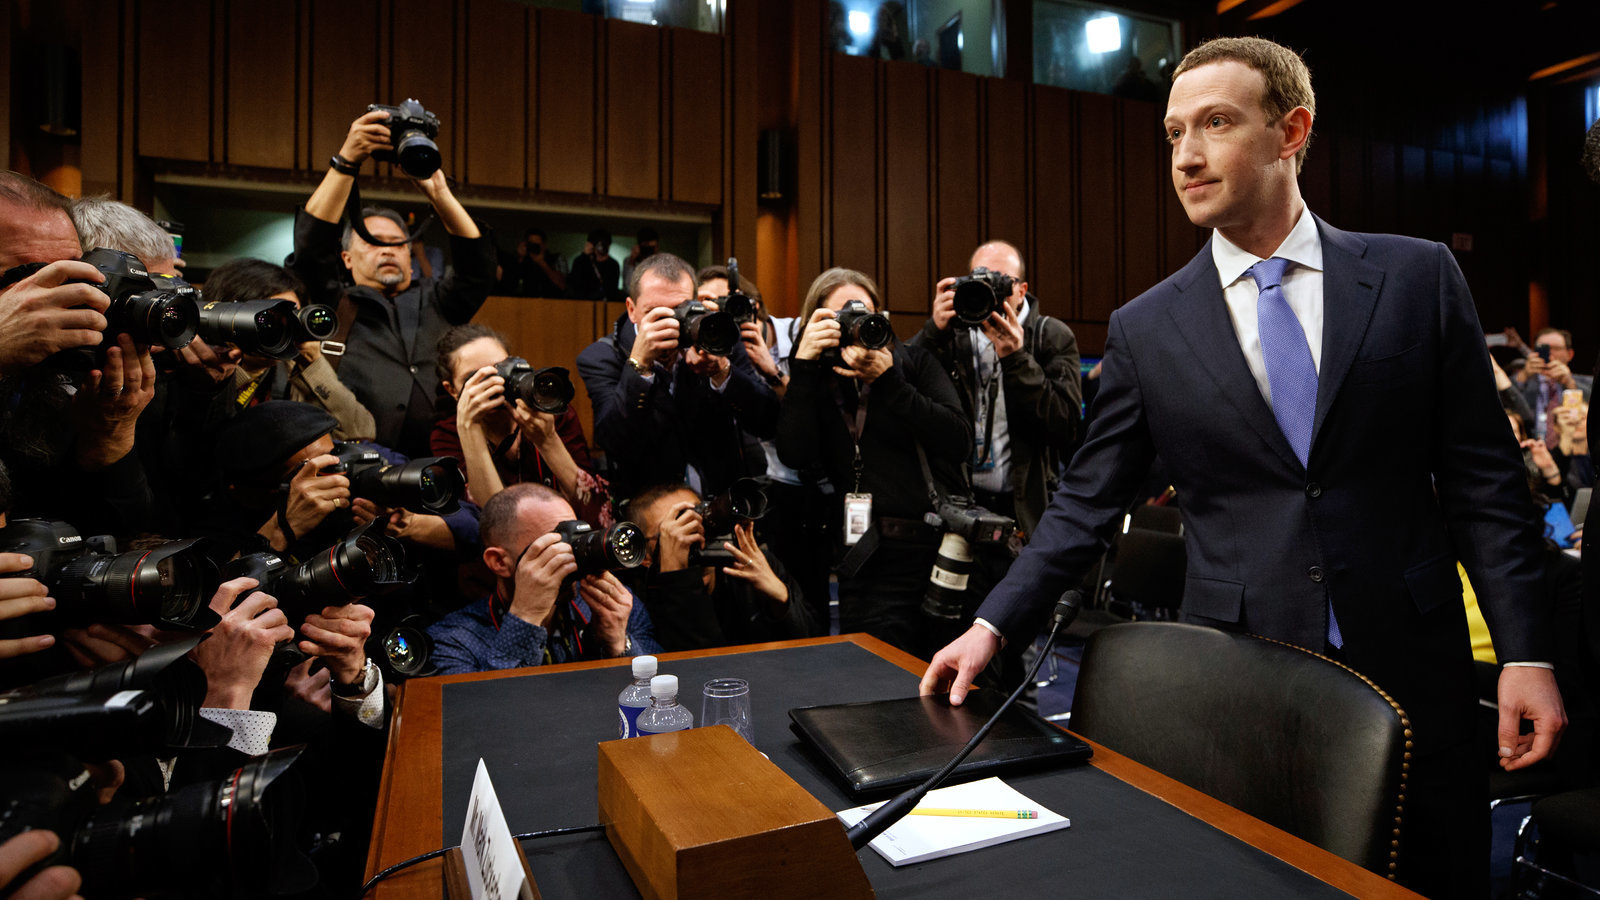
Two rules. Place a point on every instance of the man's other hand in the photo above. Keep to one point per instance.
(25, 850)
(107, 408)
(1529, 692)
(944, 303)
(339, 635)
(368, 133)
(954, 667)
(681, 531)
(544, 567)
(41, 314)
(611, 603)
(21, 597)
(657, 337)
(241, 644)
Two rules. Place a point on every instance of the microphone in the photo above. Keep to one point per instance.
(862, 833)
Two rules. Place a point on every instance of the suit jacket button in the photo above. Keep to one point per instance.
(1315, 574)
(1313, 490)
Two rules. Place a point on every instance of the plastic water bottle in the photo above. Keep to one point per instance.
(636, 696)
(664, 714)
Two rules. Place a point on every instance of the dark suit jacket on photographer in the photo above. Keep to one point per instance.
(389, 363)
(1043, 397)
(650, 430)
(688, 617)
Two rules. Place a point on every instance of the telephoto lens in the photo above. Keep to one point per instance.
(709, 332)
(863, 327)
(547, 390)
(257, 327)
(407, 649)
(743, 501)
(978, 295)
(315, 322)
(364, 563)
(620, 547)
(428, 484)
(947, 583)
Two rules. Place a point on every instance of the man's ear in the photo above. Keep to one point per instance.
(1296, 131)
(631, 306)
(500, 561)
(450, 388)
(344, 255)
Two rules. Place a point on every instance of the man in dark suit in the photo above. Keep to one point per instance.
(1281, 376)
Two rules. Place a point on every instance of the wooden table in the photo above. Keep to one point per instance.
(409, 818)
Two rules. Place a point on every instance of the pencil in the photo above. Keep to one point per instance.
(977, 813)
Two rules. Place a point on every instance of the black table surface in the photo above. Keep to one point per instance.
(538, 736)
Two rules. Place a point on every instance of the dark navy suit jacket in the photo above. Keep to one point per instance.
(1412, 467)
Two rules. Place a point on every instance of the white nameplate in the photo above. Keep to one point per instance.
(494, 869)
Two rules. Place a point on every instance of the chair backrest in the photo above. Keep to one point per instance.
(1157, 518)
(1149, 569)
(1292, 738)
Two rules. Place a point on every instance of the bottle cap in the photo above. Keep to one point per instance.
(644, 666)
(664, 686)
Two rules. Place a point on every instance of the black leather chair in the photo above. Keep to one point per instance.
(1290, 737)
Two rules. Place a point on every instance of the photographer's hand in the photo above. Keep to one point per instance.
(104, 643)
(1559, 373)
(315, 689)
(611, 603)
(339, 636)
(944, 303)
(452, 214)
(821, 333)
(681, 530)
(540, 574)
(755, 341)
(241, 645)
(1004, 330)
(753, 565)
(28, 849)
(204, 368)
(39, 315)
(421, 529)
(656, 338)
(312, 496)
(367, 134)
(865, 365)
(107, 408)
(21, 597)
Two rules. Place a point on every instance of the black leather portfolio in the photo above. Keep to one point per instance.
(889, 745)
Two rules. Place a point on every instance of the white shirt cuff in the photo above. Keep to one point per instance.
(989, 627)
(252, 728)
(367, 707)
(1530, 665)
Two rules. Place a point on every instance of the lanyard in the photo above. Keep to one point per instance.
(854, 425)
(988, 391)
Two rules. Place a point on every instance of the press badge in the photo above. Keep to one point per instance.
(857, 516)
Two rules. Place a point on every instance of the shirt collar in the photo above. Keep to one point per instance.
(1303, 247)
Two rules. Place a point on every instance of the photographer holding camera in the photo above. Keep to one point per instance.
(394, 322)
(548, 606)
(498, 438)
(673, 388)
(700, 595)
(594, 273)
(864, 411)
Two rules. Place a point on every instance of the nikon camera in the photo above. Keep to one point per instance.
(547, 390)
(965, 523)
(428, 484)
(978, 295)
(411, 131)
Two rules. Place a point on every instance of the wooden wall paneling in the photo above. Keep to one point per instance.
(1052, 263)
(907, 272)
(698, 102)
(1096, 197)
(563, 119)
(174, 100)
(497, 86)
(959, 172)
(218, 48)
(103, 89)
(1350, 206)
(853, 166)
(741, 51)
(262, 63)
(1006, 144)
(343, 73)
(633, 110)
(1143, 195)
(421, 68)
(811, 86)
(5, 84)
(1384, 186)
(1415, 200)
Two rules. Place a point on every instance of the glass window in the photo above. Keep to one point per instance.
(1087, 47)
(962, 35)
(699, 15)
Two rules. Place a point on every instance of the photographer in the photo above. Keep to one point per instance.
(538, 613)
(1017, 375)
(864, 418)
(499, 444)
(668, 410)
(744, 599)
(537, 271)
(395, 322)
(594, 273)
(308, 378)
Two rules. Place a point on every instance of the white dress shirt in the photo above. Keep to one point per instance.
(1302, 288)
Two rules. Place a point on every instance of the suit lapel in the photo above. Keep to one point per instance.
(1350, 287)
(1201, 318)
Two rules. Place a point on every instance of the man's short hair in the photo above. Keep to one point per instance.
(499, 518)
(1022, 269)
(368, 212)
(250, 279)
(104, 222)
(712, 273)
(535, 231)
(457, 337)
(17, 189)
(1565, 335)
(648, 497)
(1288, 81)
(665, 266)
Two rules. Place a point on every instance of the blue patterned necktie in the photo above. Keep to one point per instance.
(1290, 372)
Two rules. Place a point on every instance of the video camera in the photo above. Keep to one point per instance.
(709, 332)
(616, 549)
(411, 132)
(743, 501)
(429, 484)
(170, 586)
(980, 294)
(964, 523)
(547, 390)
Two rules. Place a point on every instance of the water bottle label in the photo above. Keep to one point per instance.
(628, 723)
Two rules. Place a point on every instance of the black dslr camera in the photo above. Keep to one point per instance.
(411, 131)
(226, 837)
(429, 484)
(169, 586)
(964, 523)
(737, 304)
(365, 563)
(744, 501)
(980, 294)
(546, 390)
(861, 326)
(269, 328)
(709, 332)
(155, 310)
(618, 548)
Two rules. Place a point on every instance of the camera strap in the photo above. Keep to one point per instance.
(854, 425)
(358, 222)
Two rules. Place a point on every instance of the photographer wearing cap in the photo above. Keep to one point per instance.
(667, 408)
(394, 322)
(743, 597)
(538, 613)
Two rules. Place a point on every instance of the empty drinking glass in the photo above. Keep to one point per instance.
(727, 702)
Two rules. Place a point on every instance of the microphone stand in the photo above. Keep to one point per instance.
(862, 833)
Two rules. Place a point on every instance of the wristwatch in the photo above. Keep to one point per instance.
(363, 687)
(638, 366)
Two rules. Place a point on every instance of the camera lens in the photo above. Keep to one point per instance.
(974, 301)
(626, 542)
(156, 318)
(873, 332)
(714, 333)
(419, 155)
(170, 585)
(432, 484)
(317, 323)
(622, 546)
(258, 327)
(552, 390)
(408, 649)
